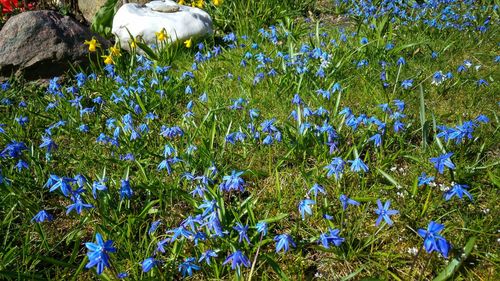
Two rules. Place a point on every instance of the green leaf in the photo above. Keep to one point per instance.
(455, 264)
(103, 19)
(275, 267)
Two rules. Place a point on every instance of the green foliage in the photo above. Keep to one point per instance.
(103, 20)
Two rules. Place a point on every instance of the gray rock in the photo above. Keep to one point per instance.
(90, 7)
(42, 44)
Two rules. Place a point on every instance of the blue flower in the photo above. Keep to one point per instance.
(98, 185)
(305, 207)
(357, 165)
(262, 228)
(125, 190)
(336, 167)
(98, 253)
(377, 139)
(443, 161)
(154, 226)
(423, 179)
(237, 259)
(78, 205)
(148, 264)
(347, 201)
(233, 182)
(315, 189)
(42, 216)
(384, 213)
(433, 241)
(242, 232)
(207, 255)
(188, 266)
(331, 237)
(283, 242)
(457, 190)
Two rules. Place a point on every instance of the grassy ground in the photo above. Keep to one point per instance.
(276, 176)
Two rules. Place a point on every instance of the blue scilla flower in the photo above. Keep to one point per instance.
(423, 179)
(376, 139)
(284, 242)
(188, 267)
(443, 161)
(98, 253)
(458, 190)
(78, 205)
(22, 120)
(331, 237)
(154, 226)
(433, 241)
(384, 213)
(315, 189)
(125, 189)
(21, 165)
(63, 183)
(237, 259)
(171, 132)
(42, 216)
(262, 228)
(242, 232)
(148, 264)
(13, 149)
(336, 167)
(345, 201)
(406, 84)
(207, 256)
(357, 165)
(305, 207)
(233, 182)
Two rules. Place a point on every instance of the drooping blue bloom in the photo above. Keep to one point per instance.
(357, 165)
(423, 179)
(98, 253)
(283, 242)
(207, 255)
(384, 213)
(233, 182)
(443, 161)
(148, 264)
(377, 139)
(63, 183)
(305, 207)
(237, 259)
(262, 228)
(457, 190)
(42, 216)
(125, 190)
(336, 167)
(78, 205)
(160, 246)
(188, 266)
(21, 164)
(406, 84)
(331, 237)
(154, 226)
(315, 189)
(345, 201)
(242, 232)
(433, 241)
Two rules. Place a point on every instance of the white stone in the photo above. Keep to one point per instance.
(180, 22)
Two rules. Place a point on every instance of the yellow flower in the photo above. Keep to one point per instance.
(188, 43)
(133, 44)
(217, 2)
(181, 2)
(108, 59)
(93, 44)
(199, 4)
(115, 51)
(162, 35)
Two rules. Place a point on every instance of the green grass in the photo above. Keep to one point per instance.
(277, 176)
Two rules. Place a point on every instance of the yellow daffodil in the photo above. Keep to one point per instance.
(162, 35)
(200, 4)
(108, 59)
(133, 44)
(181, 2)
(217, 2)
(115, 51)
(188, 43)
(93, 44)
